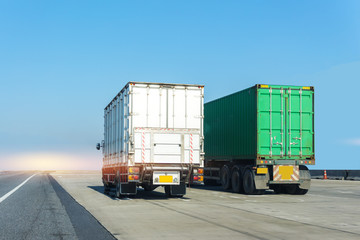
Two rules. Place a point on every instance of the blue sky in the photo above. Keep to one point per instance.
(61, 62)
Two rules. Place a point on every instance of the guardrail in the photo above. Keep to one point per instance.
(336, 174)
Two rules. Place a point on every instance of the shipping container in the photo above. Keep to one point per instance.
(153, 136)
(260, 138)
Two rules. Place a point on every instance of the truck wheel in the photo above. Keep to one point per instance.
(236, 180)
(248, 182)
(106, 188)
(225, 177)
(167, 191)
(278, 189)
(295, 190)
(210, 182)
(301, 191)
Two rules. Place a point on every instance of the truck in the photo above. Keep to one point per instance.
(153, 136)
(261, 138)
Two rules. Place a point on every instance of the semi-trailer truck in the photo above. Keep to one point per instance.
(153, 136)
(261, 138)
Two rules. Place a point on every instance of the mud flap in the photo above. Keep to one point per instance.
(176, 190)
(261, 181)
(305, 179)
(128, 188)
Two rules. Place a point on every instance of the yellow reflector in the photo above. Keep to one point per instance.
(264, 86)
(261, 171)
(307, 88)
(310, 162)
(286, 172)
(166, 179)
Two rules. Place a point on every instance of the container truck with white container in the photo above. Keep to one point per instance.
(153, 136)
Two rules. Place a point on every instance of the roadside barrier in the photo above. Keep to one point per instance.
(317, 174)
(353, 175)
(336, 174)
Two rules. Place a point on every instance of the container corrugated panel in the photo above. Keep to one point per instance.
(264, 121)
(154, 123)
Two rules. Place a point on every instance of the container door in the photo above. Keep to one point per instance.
(271, 122)
(166, 146)
(299, 122)
(184, 107)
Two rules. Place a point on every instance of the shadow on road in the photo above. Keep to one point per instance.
(157, 194)
(220, 189)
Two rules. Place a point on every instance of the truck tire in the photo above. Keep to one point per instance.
(248, 182)
(236, 180)
(225, 177)
(106, 188)
(301, 191)
(278, 189)
(295, 190)
(210, 182)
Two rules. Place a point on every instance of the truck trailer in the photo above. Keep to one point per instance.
(153, 136)
(261, 138)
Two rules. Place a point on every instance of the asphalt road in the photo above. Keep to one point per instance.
(42, 209)
(329, 211)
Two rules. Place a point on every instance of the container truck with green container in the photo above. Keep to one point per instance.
(261, 138)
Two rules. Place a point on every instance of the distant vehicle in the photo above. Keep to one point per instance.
(153, 136)
(260, 138)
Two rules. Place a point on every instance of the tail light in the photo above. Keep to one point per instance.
(133, 177)
(198, 175)
(134, 170)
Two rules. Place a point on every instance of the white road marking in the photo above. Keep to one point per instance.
(16, 188)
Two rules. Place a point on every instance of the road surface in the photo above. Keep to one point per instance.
(71, 205)
(41, 209)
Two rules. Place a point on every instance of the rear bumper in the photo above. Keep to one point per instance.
(165, 175)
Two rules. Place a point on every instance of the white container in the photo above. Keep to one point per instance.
(154, 125)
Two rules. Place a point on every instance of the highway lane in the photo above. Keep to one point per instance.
(329, 211)
(9, 180)
(42, 209)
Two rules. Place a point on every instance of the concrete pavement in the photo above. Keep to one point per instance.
(328, 211)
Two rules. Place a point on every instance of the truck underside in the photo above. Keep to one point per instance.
(246, 177)
(125, 180)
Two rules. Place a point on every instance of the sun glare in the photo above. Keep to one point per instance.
(52, 161)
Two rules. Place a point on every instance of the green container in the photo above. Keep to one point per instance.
(261, 122)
